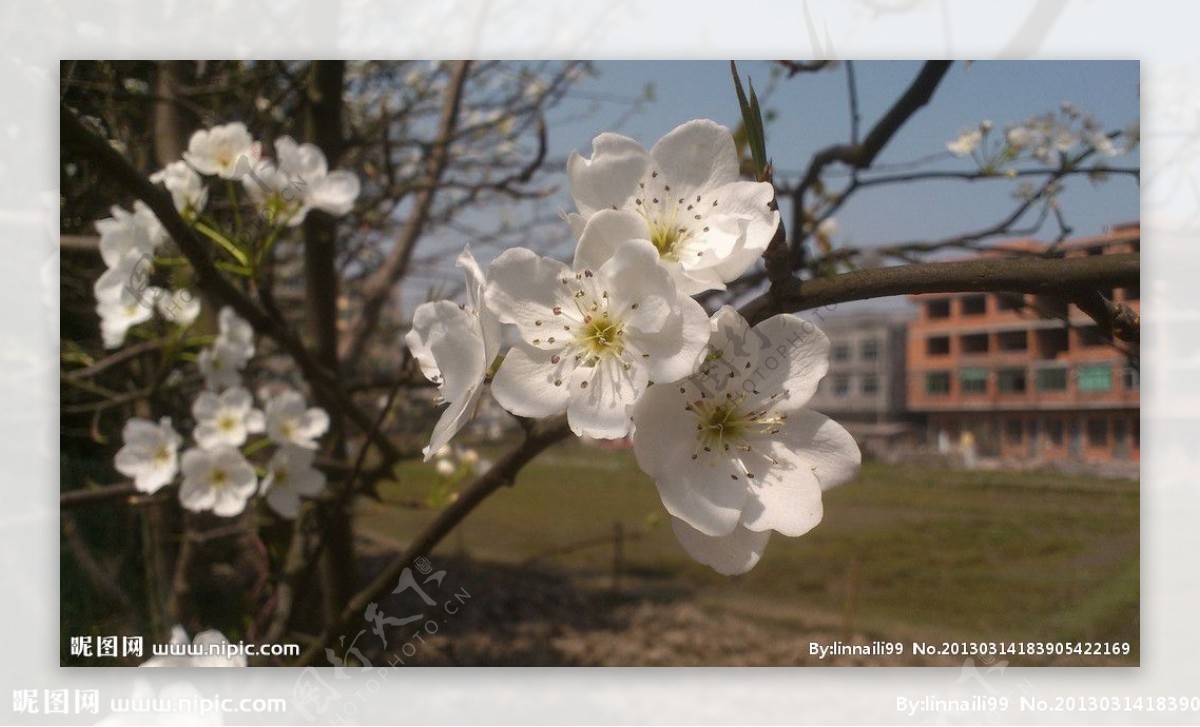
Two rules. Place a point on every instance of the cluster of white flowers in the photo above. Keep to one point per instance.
(1043, 137)
(616, 342)
(217, 476)
(124, 295)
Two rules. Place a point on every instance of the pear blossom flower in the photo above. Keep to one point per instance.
(733, 452)
(685, 196)
(227, 151)
(218, 479)
(289, 421)
(225, 419)
(299, 180)
(150, 453)
(120, 313)
(966, 142)
(185, 185)
(205, 651)
(290, 476)
(180, 307)
(221, 365)
(230, 352)
(139, 230)
(445, 467)
(591, 340)
(455, 346)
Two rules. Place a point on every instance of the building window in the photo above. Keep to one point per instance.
(1133, 292)
(972, 381)
(1010, 301)
(869, 350)
(1013, 431)
(1094, 377)
(1051, 379)
(1051, 342)
(1011, 381)
(870, 384)
(937, 383)
(1012, 341)
(1131, 379)
(938, 308)
(974, 343)
(974, 305)
(1136, 433)
(841, 385)
(937, 346)
(1092, 337)
(1097, 431)
(1054, 432)
(841, 352)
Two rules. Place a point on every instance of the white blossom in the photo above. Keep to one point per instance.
(685, 196)
(185, 185)
(299, 180)
(732, 449)
(222, 362)
(591, 339)
(455, 346)
(139, 230)
(226, 418)
(120, 313)
(180, 307)
(966, 142)
(218, 479)
(227, 151)
(150, 453)
(290, 421)
(290, 476)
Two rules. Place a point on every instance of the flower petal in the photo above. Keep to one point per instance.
(826, 448)
(786, 497)
(524, 288)
(729, 555)
(641, 292)
(456, 416)
(698, 155)
(792, 356)
(664, 442)
(610, 177)
(524, 385)
(601, 396)
(748, 203)
(677, 349)
(603, 233)
(335, 193)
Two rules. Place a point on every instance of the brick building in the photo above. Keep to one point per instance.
(1003, 375)
(865, 387)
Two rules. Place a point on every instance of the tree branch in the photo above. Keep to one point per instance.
(378, 287)
(1046, 276)
(208, 278)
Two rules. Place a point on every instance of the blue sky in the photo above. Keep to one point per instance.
(813, 112)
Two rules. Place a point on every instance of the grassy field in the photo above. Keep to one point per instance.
(902, 552)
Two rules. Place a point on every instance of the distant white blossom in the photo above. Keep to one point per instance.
(227, 151)
(219, 479)
(180, 307)
(966, 142)
(290, 476)
(185, 185)
(291, 421)
(150, 453)
(299, 180)
(226, 418)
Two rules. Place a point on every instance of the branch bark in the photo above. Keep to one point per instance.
(379, 286)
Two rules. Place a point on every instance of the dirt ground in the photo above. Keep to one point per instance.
(525, 616)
